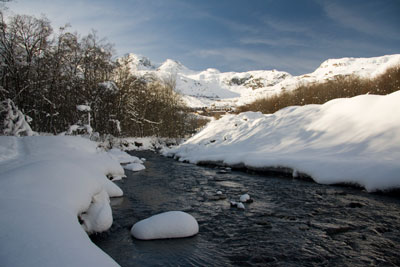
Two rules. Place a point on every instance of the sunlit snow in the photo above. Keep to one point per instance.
(171, 224)
(52, 190)
(354, 140)
(212, 88)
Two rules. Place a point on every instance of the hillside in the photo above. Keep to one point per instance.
(344, 141)
(211, 87)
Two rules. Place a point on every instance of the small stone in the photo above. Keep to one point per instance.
(355, 205)
(221, 196)
(233, 203)
(304, 227)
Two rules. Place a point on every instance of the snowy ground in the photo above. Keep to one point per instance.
(354, 140)
(53, 191)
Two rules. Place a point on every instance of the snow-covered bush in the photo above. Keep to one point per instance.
(81, 127)
(14, 122)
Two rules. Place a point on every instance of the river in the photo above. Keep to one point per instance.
(290, 223)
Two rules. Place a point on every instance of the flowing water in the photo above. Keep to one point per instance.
(290, 222)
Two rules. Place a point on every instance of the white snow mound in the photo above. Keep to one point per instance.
(353, 140)
(171, 224)
(52, 190)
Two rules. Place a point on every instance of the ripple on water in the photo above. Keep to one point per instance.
(290, 223)
(230, 184)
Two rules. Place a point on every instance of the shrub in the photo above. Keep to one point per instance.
(319, 93)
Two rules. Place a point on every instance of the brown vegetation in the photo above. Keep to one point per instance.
(319, 93)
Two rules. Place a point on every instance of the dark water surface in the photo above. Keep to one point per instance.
(290, 222)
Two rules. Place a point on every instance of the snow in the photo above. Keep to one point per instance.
(46, 184)
(212, 88)
(240, 206)
(171, 224)
(15, 122)
(83, 108)
(109, 86)
(354, 141)
(244, 198)
(135, 167)
(123, 157)
(146, 143)
(139, 63)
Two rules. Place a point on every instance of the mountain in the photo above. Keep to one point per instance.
(228, 89)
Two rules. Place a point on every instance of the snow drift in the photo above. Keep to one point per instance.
(52, 190)
(354, 140)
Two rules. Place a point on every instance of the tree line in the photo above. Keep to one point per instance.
(47, 74)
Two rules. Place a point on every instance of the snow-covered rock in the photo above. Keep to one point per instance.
(135, 167)
(352, 140)
(244, 198)
(171, 224)
(240, 206)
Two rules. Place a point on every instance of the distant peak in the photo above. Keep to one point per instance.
(172, 66)
(139, 62)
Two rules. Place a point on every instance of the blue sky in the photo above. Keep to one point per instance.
(233, 35)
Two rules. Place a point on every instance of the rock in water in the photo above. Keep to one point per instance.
(171, 224)
(240, 206)
(244, 198)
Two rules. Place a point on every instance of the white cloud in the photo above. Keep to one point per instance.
(272, 41)
(237, 59)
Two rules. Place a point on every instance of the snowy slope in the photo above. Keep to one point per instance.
(211, 87)
(353, 140)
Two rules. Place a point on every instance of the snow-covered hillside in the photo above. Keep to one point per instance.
(214, 88)
(351, 140)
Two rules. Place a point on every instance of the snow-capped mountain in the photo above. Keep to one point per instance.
(214, 88)
(139, 63)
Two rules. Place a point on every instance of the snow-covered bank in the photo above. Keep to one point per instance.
(145, 143)
(354, 140)
(52, 190)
